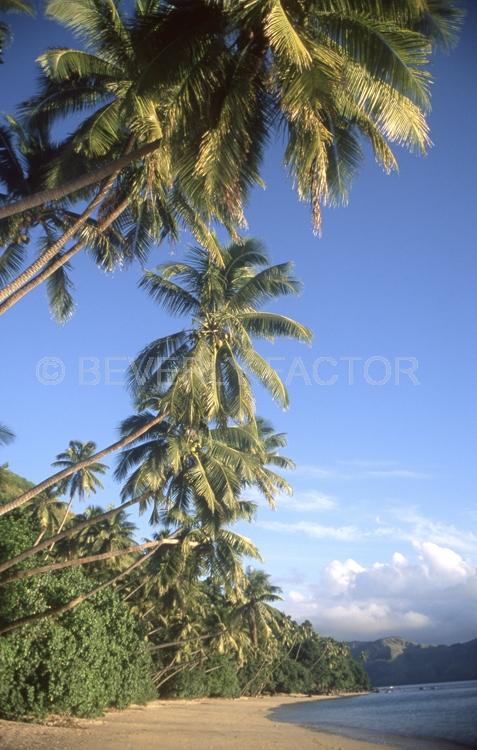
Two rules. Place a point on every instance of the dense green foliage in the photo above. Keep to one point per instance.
(92, 658)
(211, 643)
(331, 670)
(395, 661)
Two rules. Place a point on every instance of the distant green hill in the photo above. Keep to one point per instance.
(395, 661)
(11, 484)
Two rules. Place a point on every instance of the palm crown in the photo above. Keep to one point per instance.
(201, 369)
(197, 475)
(84, 481)
(213, 79)
(255, 608)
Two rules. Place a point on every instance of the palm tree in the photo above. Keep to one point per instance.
(202, 369)
(224, 300)
(81, 482)
(25, 153)
(324, 68)
(125, 121)
(116, 533)
(213, 491)
(59, 476)
(49, 514)
(11, 6)
(205, 100)
(255, 608)
(197, 475)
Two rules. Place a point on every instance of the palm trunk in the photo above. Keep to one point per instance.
(63, 521)
(55, 248)
(55, 194)
(59, 262)
(57, 611)
(320, 658)
(260, 669)
(193, 639)
(20, 574)
(39, 547)
(131, 593)
(39, 538)
(145, 614)
(182, 668)
(253, 631)
(54, 478)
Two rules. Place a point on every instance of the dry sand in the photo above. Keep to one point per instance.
(220, 724)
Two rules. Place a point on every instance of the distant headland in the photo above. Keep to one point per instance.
(396, 661)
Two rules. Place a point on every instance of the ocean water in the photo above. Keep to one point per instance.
(409, 716)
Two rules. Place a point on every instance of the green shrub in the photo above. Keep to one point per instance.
(217, 678)
(91, 658)
(289, 676)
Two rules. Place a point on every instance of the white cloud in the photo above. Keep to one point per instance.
(307, 501)
(390, 473)
(443, 565)
(371, 620)
(415, 527)
(431, 597)
(313, 530)
(337, 576)
(297, 596)
(314, 471)
(361, 469)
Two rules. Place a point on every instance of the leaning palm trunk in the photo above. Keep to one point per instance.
(183, 667)
(87, 560)
(39, 538)
(63, 521)
(85, 180)
(193, 639)
(59, 261)
(57, 611)
(72, 531)
(55, 248)
(134, 591)
(54, 478)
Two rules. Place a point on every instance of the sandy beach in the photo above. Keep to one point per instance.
(206, 724)
(217, 724)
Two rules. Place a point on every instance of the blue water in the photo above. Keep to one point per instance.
(405, 716)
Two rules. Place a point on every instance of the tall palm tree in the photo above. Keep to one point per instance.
(203, 369)
(11, 6)
(202, 366)
(83, 481)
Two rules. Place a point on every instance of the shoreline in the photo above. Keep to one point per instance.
(201, 724)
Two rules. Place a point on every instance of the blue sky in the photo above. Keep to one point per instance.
(381, 535)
